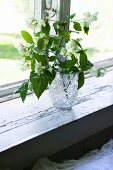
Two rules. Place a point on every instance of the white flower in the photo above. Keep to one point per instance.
(98, 71)
(24, 64)
(94, 16)
(23, 49)
(20, 47)
(53, 45)
(27, 53)
(32, 23)
(71, 47)
(50, 69)
(46, 41)
(41, 23)
(39, 68)
(30, 86)
(42, 35)
(63, 52)
(101, 71)
(87, 15)
(88, 18)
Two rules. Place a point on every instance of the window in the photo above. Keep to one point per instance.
(19, 117)
(10, 60)
(100, 40)
(13, 16)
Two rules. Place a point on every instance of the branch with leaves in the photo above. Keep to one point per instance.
(49, 54)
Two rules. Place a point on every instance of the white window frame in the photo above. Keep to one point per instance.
(62, 8)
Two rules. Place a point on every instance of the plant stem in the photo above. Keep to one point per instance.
(65, 90)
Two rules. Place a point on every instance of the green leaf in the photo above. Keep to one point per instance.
(27, 58)
(54, 49)
(72, 16)
(67, 64)
(74, 59)
(52, 58)
(27, 37)
(36, 50)
(73, 69)
(39, 84)
(42, 59)
(80, 79)
(46, 29)
(64, 34)
(40, 43)
(86, 29)
(55, 27)
(77, 26)
(78, 44)
(61, 23)
(89, 65)
(53, 40)
(33, 64)
(50, 76)
(38, 34)
(79, 52)
(83, 60)
(23, 91)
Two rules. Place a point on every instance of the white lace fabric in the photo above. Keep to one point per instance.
(94, 160)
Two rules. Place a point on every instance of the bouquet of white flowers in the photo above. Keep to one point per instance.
(47, 54)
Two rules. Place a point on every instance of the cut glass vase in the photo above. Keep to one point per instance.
(63, 91)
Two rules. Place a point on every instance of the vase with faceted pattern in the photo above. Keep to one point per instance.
(63, 91)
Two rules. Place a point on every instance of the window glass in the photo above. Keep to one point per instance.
(13, 17)
(100, 38)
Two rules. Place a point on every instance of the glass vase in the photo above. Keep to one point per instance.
(63, 91)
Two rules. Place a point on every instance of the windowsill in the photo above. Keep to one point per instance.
(7, 90)
(34, 118)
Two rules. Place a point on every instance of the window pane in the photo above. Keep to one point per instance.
(100, 38)
(13, 16)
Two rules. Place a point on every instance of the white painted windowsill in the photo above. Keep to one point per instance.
(20, 122)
